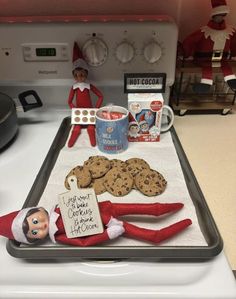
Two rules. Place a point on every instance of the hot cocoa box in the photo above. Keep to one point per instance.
(145, 112)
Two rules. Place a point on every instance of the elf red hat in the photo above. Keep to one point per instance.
(132, 120)
(142, 120)
(78, 58)
(219, 7)
(11, 225)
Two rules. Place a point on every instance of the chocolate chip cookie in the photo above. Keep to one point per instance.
(98, 185)
(118, 163)
(118, 181)
(150, 182)
(97, 165)
(136, 165)
(83, 177)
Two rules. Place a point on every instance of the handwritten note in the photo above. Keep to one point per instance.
(80, 211)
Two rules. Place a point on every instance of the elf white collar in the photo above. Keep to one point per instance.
(52, 224)
(81, 85)
(134, 134)
(218, 37)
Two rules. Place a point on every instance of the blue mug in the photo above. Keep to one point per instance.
(112, 134)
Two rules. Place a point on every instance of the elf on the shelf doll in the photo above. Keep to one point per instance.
(143, 125)
(133, 128)
(212, 46)
(81, 91)
(33, 224)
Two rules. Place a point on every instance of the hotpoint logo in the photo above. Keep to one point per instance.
(47, 72)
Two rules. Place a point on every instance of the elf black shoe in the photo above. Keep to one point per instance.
(232, 84)
(201, 88)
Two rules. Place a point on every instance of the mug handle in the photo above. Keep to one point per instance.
(170, 113)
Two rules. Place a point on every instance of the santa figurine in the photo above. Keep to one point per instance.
(212, 46)
(81, 91)
(35, 224)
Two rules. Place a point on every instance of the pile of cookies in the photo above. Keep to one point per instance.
(118, 177)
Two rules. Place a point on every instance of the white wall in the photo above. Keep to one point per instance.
(195, 13)
(189, 14)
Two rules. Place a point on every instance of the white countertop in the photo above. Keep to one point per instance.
(209, 142)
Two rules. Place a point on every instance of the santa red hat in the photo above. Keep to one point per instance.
(219, 7)
(142, 120)
(132, 120)
(78, 58)
(11, 225)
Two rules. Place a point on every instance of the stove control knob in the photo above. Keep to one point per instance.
(95, 52)
(125, 52)
(152, 52)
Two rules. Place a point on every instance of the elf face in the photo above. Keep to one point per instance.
(218, 18)
(38, 224)
(144, 127)
(80, 75)
(134, 129)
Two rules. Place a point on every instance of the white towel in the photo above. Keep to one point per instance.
(162, 157)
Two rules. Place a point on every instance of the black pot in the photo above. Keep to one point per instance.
(8, 114)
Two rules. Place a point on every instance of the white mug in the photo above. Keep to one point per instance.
(149, 117)
(167, 118)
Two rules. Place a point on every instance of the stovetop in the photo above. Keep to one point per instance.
(22, 160)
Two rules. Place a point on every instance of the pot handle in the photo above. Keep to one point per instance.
(28, 105)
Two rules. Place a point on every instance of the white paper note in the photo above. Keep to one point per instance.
(80, 211)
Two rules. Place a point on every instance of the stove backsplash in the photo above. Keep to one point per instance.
(56, 95)
(39, 56)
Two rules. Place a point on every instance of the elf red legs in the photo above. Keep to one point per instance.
(76, 131)
(115, 228)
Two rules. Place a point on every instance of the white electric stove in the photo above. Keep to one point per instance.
(136, 46)
(56, 278)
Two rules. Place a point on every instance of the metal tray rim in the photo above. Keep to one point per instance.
(215, 242)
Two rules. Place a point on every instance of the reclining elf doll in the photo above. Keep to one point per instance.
(32, 224)
(81, 91)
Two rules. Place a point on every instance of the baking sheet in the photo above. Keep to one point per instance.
(200, 240)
